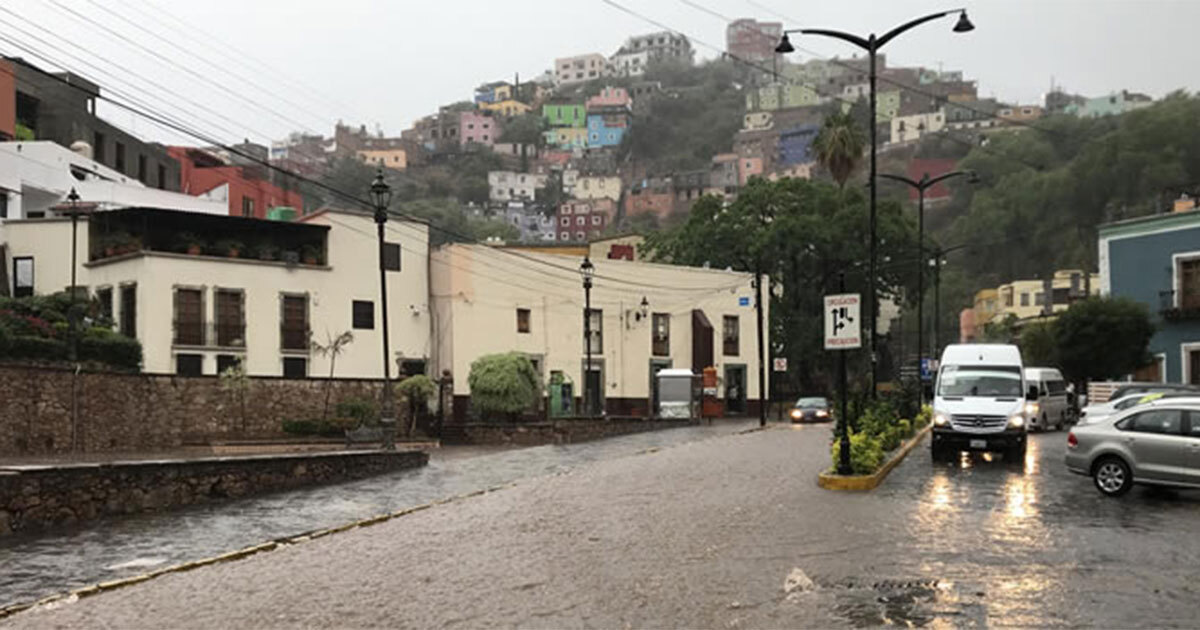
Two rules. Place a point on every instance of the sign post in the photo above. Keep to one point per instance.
(843, 331)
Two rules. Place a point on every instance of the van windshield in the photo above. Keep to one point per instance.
(1001, 381)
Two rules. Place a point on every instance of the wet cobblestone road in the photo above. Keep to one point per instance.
(707, 534)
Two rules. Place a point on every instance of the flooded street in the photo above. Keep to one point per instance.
(725, 532)
(38, 565)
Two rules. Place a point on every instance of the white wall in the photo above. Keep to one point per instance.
(477, 291)
(352, 274)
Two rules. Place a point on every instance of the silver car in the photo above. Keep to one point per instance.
(1156, 443)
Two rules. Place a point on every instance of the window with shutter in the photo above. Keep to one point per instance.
(732, 332)
(294, 324)
(189, 317)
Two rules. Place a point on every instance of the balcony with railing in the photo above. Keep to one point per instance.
(215, 335)
(1175, 306)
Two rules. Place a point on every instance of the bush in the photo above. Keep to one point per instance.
(363, 411)
(503, 383)
(906, 429)
(105, 346)
(866, 454)
(418, 388)
(923, 418)
(318, 427)
(36, 348)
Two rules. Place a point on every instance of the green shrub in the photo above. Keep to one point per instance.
(889, 438)
(866, 454)
(105, 346)
(417, 388)
(906, 429)
(503, 384)
(363, 411)
(317, 427)
(923, 417)
(37, 348)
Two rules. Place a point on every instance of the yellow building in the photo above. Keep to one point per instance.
(1027, 298)
(507, 107)
(396, 159)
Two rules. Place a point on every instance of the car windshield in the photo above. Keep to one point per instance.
(812, 403)
(980, 380)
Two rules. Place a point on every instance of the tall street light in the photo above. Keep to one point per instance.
(587, 271)
(937, 261)
(72, 315)
(872, 45)
(381, 198)
(922, 185)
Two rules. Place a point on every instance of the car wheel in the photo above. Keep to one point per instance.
(1112, 476)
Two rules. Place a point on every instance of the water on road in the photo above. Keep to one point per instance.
(37, 565)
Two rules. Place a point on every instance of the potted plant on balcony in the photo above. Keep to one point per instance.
(191, 244)
(310, 254)
(122, 243)
(230, 247)
(267, 251)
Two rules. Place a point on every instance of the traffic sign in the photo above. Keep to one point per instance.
(743, 301)
(780, 364)
(843, 330)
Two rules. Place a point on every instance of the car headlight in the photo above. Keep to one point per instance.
(821, 413)
(796, 413)
(940, 419)
(1017, 421)
(1031, 409)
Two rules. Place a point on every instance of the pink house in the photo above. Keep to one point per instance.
(478, 127)
(749, 167)
(610, 97)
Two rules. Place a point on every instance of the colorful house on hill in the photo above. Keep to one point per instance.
(506, 108)
(608, 117)
(565, 114)
(493, 92)
(795, 144)
(567, 138)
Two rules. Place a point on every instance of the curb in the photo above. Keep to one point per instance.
(831, 481)
(101, 587)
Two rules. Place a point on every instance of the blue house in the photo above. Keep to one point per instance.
(1155, 260)
(795, 144)
(606, 129)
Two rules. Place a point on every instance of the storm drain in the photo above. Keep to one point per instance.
(892, 602)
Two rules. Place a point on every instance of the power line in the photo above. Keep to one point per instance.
(166, 60)
(735, 58)
(253, 84)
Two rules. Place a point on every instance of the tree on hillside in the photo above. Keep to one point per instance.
(839, 146)
(1103, 338)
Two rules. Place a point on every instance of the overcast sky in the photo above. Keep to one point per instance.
(259, 68)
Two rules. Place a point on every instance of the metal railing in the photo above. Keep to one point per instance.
(211, 334)
(1186, 307)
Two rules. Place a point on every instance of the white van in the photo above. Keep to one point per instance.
(979, 401)
(1050, 408)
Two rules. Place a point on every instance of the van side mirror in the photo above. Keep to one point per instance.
(1031, 393)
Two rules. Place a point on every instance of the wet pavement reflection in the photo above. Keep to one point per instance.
(36, 566)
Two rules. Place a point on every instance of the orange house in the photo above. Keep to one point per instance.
(247, 190)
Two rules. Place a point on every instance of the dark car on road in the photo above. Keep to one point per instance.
(811, 409)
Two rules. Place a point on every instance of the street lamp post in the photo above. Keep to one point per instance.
(872, 45)
(72, 332)
(381, 198)
(587, 270)
(922, 185)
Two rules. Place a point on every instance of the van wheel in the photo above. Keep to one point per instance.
(1112, 476)
(939, 453)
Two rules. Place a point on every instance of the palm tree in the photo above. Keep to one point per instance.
(839, 146)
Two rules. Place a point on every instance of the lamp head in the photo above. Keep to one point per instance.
(964, 24)
(785, 45)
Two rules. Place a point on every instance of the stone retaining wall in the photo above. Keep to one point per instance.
(145, 412)
(37, 497)
(562, 431)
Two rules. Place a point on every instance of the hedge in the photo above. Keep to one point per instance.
(879, 430)
(115, 350)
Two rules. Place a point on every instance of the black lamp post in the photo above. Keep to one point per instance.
(872, 44)
(381, 198)
(73, 199)
(922, 185)
(587, 270)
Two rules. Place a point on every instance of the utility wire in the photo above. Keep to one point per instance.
(948, 133)
(219, 68)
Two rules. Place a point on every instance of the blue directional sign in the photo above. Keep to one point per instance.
(743, 301)
(927, 367)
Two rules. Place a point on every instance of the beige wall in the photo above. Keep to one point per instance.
(597, 187)
(477, 292)
(352, 273)
(396, 159)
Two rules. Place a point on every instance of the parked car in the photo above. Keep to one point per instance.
(1146, 388)
(979, 401)
(1132, 396)
(811, 409)
(1155, 443)
(1051, 408)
